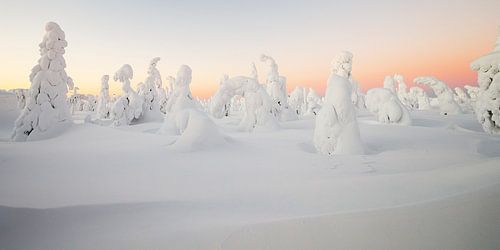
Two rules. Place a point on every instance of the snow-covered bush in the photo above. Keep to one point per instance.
(336, 130)
(419, 99)
(487, 106)
(258, 105)
(129, 105)
(387, 107)
(46, 112)
(185, 118)
(103, 100)
(445, 95)
(276, 88)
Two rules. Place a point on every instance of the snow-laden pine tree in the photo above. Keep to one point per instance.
(402, 92)
(445, 95)
(276, 88)
(297, 100)
(387, 107)
(46, 112)
(185, 118)
(152, 93)
(103, 100)
(336, 130)
(419, 99)
(487, 105)
(128, 106)
(313, 102)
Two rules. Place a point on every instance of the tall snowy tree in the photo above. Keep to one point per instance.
(103, 99)
(336, 130)
(127, 107)
(46, 112)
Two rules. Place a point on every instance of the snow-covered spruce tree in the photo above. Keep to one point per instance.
(152, 93)
(297, 100)
(387, 107)
(402, 92)
(473, 92)
(46, 112)
(103, 100)
(129, 105)
(445, 95)
(487, 106)
(276, 88)
(21, 96)
(336, 130)
(419, 99)
(390, 84)
(358, 98)
(313, 102)
(185, 118)
(75, 101)
(463, 100)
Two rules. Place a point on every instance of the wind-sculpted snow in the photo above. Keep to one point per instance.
(336, 130)
(185, 118)
(445, 95)
(46, 111)
(387, 107)
(129, 106)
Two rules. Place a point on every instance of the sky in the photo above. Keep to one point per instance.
(411, 38)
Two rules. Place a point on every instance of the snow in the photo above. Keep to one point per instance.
(445, 95)
(136, 191)
(103, 101)
(129, 106)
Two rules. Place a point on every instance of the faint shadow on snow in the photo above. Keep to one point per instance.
(488, 148)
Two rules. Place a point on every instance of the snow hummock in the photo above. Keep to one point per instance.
(46, 112)
(445, 95)
(336, 130)
(129, 106)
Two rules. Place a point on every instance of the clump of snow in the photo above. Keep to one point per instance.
(103, 101)
(445, 95)
(258, 104)
(336, 130)
(128, 106)
(276, 88)
(487, 106)
(46, 112)
(387, 107)
(185, 118)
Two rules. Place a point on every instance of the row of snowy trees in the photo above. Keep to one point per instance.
(46, 109)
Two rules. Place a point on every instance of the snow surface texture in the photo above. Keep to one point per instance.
(487, 105)
(46, 113)
(276, 88)
(185, 118)
(445, 95)
(387, 107)
(336, 130)
(103, 101)
(258, 104)
(129, 106)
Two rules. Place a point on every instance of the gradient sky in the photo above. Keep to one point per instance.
(219, 37)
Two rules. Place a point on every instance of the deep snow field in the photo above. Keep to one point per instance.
(432, 185)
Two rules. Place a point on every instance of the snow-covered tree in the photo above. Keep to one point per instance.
(21, 96)
(487, 106)
(390, 84)
(103, 101)
(473, 92)
(358, 98)
(463, 100)
(74, 101)
(276, 88)
(297, 100)
(313, 102)
(402, 92)
(46, 111)
(258, 104)
(445, 95)
(185, 118)
(419, 99)
(387, 107)
(336, 130)
(129, 105)
(152, 93)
